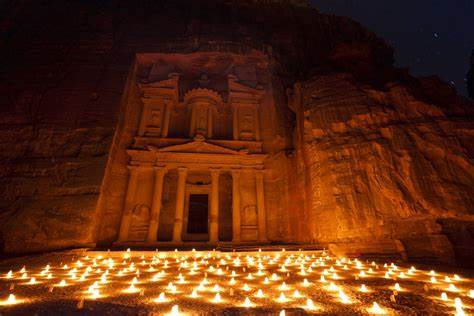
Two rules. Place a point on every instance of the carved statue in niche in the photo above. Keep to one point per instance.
(249, 215)
(247, 124)
(152, 118)
(155, 118)
(139, 223)
(201, 119)
(203, 103)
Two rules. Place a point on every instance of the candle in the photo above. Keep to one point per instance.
(376, 309)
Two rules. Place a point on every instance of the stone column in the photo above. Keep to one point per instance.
(210, 127)
(166, 121)
(261, 216)
(236, 205)
(179, 215)
(192, 127)
(235, 122)
(156, 204)
(257, 125)
(128, 205)
(214, 213)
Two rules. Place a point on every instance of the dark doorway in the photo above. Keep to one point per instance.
(197, 216)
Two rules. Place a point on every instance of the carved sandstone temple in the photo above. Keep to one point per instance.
(225, 123)
(196, 162)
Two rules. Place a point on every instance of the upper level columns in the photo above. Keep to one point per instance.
(236, 205)
(214, 211)
(128, 205)
(179, 215)
(166, 120)
(156, 204)
(261, 216)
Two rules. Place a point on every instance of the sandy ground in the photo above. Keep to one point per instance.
(100, 283)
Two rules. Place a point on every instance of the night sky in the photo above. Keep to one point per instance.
(429, 36)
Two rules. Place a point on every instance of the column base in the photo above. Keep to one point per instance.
(188, 244)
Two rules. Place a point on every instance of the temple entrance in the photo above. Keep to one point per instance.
(197, 222)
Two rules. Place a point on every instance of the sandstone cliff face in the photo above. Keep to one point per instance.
(386, 171)
(365, 153)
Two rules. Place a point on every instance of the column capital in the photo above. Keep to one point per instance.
(133, 167)
(158, 169)
(260, 172)
(236, 172)
(182, 170)
(215, 171)
(146, 167)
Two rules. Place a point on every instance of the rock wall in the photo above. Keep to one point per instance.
(64, 69)
(386, 170)
(365, 153)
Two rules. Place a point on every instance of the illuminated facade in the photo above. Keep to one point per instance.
(196, 162)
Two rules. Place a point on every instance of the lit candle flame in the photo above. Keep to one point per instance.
(376, 309)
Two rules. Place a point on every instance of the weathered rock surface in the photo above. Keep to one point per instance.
(384, 164)
(372, 160)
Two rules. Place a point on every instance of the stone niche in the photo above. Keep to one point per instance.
(190, 161)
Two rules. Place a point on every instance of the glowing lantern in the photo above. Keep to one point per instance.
(11, 300)
(161, 298)
(376, 309)
(282, 298)
(217, 298)
(247, 302)
(471, 293)
(131, 289)
(174, 311)
(309, 304)
(344, 298)
(459, 307)
(444, 296)
(333, 287)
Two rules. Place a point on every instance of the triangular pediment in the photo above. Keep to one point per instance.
(201, 147)
(170, 83)
(238, 87)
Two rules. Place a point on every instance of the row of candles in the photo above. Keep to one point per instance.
(254, 268)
